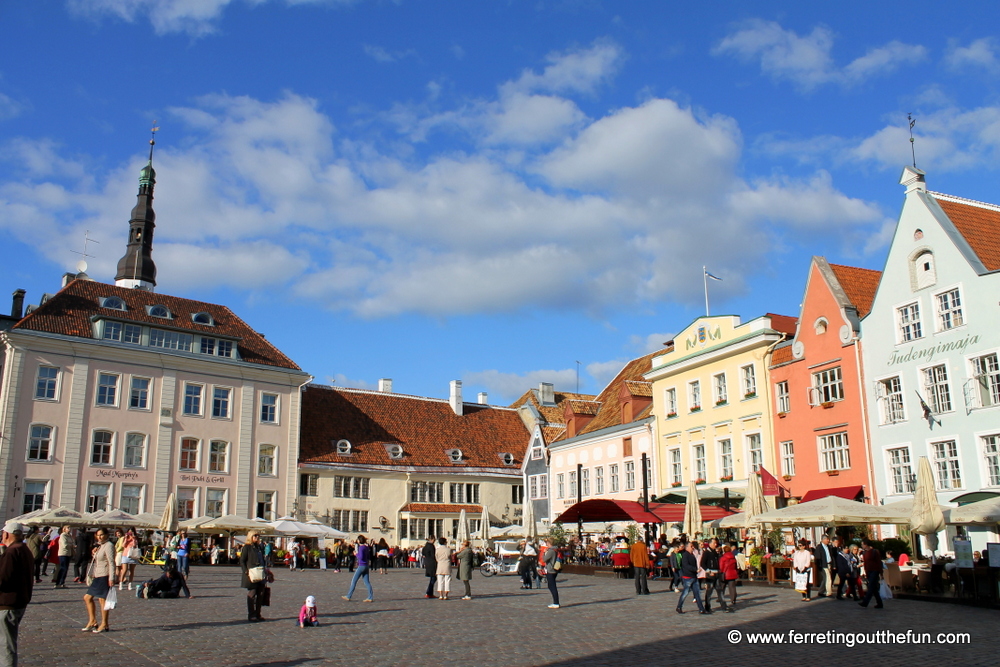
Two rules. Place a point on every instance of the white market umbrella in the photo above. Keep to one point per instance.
(484, 527)
(168, 521)
(692, 512)
(294, 528)
(61, 516)
(462, 533)
(982, 513)
(528, 516)
(118, 518)
(926, 518)
(230, 523)
(828, 511)
(193, 525)
(329, 532)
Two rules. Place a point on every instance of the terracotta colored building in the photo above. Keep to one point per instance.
(821, 439)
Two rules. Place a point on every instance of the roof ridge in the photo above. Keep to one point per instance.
(376, 392)
(963, 200)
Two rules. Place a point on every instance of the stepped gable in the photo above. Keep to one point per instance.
(424, 427)
(859, 285)
(72, 309)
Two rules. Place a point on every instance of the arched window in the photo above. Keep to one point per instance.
(344, 447)
(159, 311)
(112, 302)
(924, 270)
(202, 318)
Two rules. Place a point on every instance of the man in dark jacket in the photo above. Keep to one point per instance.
(430, 565)
(710, 563)
(824, 560)
(17, 579)
(873, 572)
(83, 542)
(169, 585)
(689, 579)
(844, 572)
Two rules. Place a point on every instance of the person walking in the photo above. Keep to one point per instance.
(83, 543)
(548, 558)
(689, 579)
(34, 543)
(728, 574)
(183, 553)
(845, 574)
(442, 556)
(363, 554)
(802, 565)
(430, 566)
(639, 555)
(527, 565)
(465, 557)
(293, 551)
(17, 576)
(131, 548)
(710, 563)
(872, 561)
(825, 561)
(67, 547)
(101, 577)
(255, 575)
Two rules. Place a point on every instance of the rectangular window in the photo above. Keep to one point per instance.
(719, 388)
(192, 399)
(726, 458)
(986, 380)
(34, 496)
(936, 387)
(224, 348)
(218, 456)
(40, 443)
(516, 494)
(629, 476)
(670, 401)
(543, 486)
(901, 471)
(536, 453)
(420, 492)
(112, 330)
(560, 486)
(788, 458)
(139, 395)
(100, 451)
(135, 450)
(215, 502)
(107, 389)
(908, 323)
(533, 487)
(265, 505)
(269, 408)
(890, 398)
(207, 345)
(131, 500)
(220, 402)
(828, 385)
(599, 480)
(463, 493)
(189, 454)
(97, 497)
(949, 310)
(170, 340)
(949, 475)
(700, 468)
(676, 471)
(585, 481)
(694, 395)
(783, 398)
(613, 476)
(308, 485)
(756, 452)
(834, 454)
(266, 456)
(991, 452)
(45, 386)
(749, 377)
(359, 521)
(125, 333)
(572, 485)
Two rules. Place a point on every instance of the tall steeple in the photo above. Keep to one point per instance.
(136, 268)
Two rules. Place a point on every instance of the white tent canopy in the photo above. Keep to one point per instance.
(982, 513)
(831, 511)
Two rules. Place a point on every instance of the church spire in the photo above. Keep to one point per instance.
(136, 268)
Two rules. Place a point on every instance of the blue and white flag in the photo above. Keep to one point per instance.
(711, 276)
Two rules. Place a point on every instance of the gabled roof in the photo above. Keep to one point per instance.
(859, 285)
(782, 354)
(554, 423)
(978, 223)
(71, 310)
(425, 427)
(639, 388)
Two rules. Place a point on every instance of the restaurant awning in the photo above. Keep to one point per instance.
(674, 513)
(845, 492)
(609, 511)
(974, 497)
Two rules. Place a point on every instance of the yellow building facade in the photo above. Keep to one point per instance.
(712, 404)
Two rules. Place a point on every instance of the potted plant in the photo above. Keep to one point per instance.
(749, 395)
(726, 478)
(699, 481)
(671, 415)
(675, 484)
(832, 473)
(782, 415)
(826, 405)
(721, 401)
(787, 478)
(695, 408)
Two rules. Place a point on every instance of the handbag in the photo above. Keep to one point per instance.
(265, 597)
(111, 600)
(256, 574)
(557, 565)
(134, 553)
(801, 581)
(90, 572)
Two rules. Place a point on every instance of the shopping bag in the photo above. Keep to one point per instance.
(256, 574)
(801, 580)
(265, 598)
(884, 591)
(112, 599)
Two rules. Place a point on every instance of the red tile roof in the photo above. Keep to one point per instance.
(552, 414)
(859, 285)
(978, 222)
(425, 427)
(440, 508)
(585, 407)
(69, 313)
(782, 355)
(639, 388)
(783, 323)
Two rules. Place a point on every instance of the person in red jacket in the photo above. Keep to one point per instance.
(728, 574)
(872, 560)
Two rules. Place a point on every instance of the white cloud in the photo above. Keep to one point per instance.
(574, 71)
(9, 108)
(806, 60)
(983, 53)
(506, 387)
(382, 55)
(650, 342)
(341, 380)
(605, 371)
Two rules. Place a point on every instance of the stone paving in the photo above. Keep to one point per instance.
(601, 622)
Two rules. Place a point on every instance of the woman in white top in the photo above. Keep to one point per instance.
(802, 563)
(442, 554)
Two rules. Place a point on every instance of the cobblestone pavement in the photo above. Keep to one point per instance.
(601, 622)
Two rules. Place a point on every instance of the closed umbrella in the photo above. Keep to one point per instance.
(168, 521)
(926, 517)
(692, 512)
(528, 516)
(462, 533)
(484, 527)
(754, 504)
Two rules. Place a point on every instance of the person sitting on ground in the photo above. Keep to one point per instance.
(308, 618)
(169, 585)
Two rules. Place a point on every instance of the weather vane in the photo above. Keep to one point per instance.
(152, 139)
(82, 264)
(913, 153)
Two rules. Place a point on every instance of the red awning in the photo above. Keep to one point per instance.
(607, 511)
(845, 492)
(674, 512)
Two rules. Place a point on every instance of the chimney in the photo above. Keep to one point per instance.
(17, 306)
(546, 393)
(68, 278)
(913, 179)
(455, 399)
(385, 385)
(483, 399)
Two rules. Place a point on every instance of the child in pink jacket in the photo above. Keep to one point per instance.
(307, 615)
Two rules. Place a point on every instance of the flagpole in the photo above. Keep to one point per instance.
(704, 276)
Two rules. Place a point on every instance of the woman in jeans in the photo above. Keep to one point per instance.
(183, 553)
(363, 554)
(252, 556)
(548, 559)
(102, 578)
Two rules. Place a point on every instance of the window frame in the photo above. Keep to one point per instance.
(828, 390)
(140, 499)
(911, 328)
(183, 453)
(56, 383)
(187, 397)
(787, 448)
(51, 443)
(273, 456)
(109, 487)
(941, 314)
(720, 389)
(748, 381)
(991, 468)
(676, 466)
(148, 393)
(128, 447)
(271, 502)
(670, 402)
(230, 393)
(224, 502)
(694, 395)
(725, 458)
(839, 452)
(698, 457)
(890, 411)
(983, 380)
(276, 408)
(614, 480)
(110, 447)
(956, 458)
(102, 388)
(782, 397)
(224, 470)
(934, 387)
(898, 483)
(46, 491)
(598, 480)
(194, 500)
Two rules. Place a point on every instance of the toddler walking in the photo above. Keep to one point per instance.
(308, 618)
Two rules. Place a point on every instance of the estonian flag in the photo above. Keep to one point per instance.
(711, 276)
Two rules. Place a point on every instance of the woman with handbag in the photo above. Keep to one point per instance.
(100, 580)
(130, 558)
(802, 561)
(255, 575)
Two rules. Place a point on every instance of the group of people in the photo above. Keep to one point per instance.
(846, 563)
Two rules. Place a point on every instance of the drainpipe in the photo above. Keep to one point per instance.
(864, 422)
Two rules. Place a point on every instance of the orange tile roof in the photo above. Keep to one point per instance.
(585, 407)
(859, 285)
(552, 414)
(425, 427)
(440, 508)
(783, 323)
(639, 388)
(69, 313)
(978, 222)
(782, 355)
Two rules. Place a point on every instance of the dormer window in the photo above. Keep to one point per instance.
(203, 318)
(394, 451)
(344, 447)
(508, 459)
(158, 311)
(454, 455)
(112, 302)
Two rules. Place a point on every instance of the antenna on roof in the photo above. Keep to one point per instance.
(81, 266)
(913, 153)
(578, 377)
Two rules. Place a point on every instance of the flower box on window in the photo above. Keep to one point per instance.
(752, 394)
(782, 415)
(675, 484)
(787, 478)
(832, 473)
(727, 478)
(718, 403)
(826, 404)
(699, 481)
(671, 415)
(696, 408)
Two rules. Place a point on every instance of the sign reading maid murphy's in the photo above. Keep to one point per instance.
(914, 353)
(702, 336)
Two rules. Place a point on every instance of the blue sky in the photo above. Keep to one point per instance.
(485, 191)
